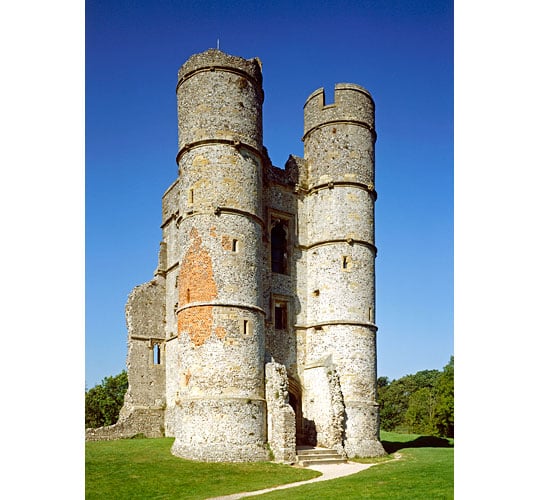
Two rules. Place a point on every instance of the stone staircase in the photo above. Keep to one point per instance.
(309, 455)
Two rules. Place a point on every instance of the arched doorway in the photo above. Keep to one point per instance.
(295, 400)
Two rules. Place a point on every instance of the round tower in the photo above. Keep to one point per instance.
(339, 140)
(220, 407)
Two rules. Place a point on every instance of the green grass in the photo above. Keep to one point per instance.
(145, 468)
(425, 470)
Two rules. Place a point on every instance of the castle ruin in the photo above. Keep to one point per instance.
(257, 331)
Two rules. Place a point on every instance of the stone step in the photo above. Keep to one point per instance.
(318, 456)
(313, 451)
(306, 456)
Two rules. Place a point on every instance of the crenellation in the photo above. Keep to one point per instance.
(352, 103)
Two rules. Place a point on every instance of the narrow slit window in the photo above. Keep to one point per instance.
(345, 262)
(157, 354)
(190, 196)
(235, 245)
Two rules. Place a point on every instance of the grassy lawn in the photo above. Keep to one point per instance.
(425, 471)
(145, 468)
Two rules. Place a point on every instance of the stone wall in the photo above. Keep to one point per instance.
(281, 417)
(147, 422)
(144, 401)
(324, 411)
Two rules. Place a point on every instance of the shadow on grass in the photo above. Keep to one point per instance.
(420, 442)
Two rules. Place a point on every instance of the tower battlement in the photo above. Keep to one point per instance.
(352, 103)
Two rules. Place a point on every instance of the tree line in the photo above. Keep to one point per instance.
(422, 403)
(104, 401)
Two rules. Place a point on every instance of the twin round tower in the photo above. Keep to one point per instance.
(257, 332)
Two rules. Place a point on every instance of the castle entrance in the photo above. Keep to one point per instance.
(295, 400)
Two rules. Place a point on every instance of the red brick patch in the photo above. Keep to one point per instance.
(197, 284)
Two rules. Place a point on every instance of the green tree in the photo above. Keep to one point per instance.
(382, 382)
(420, 414)
(444, 393)
(394, 401)
(426, 378)
(394, 398)
(104, 401)
(422, 403)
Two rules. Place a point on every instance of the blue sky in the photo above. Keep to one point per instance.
(102, 114)
(402, 52)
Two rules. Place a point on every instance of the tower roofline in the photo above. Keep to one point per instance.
(214, 59)
(337, 86)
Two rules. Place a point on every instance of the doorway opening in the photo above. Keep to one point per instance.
(295, 401)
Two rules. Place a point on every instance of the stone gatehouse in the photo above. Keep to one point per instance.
(257, 332)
